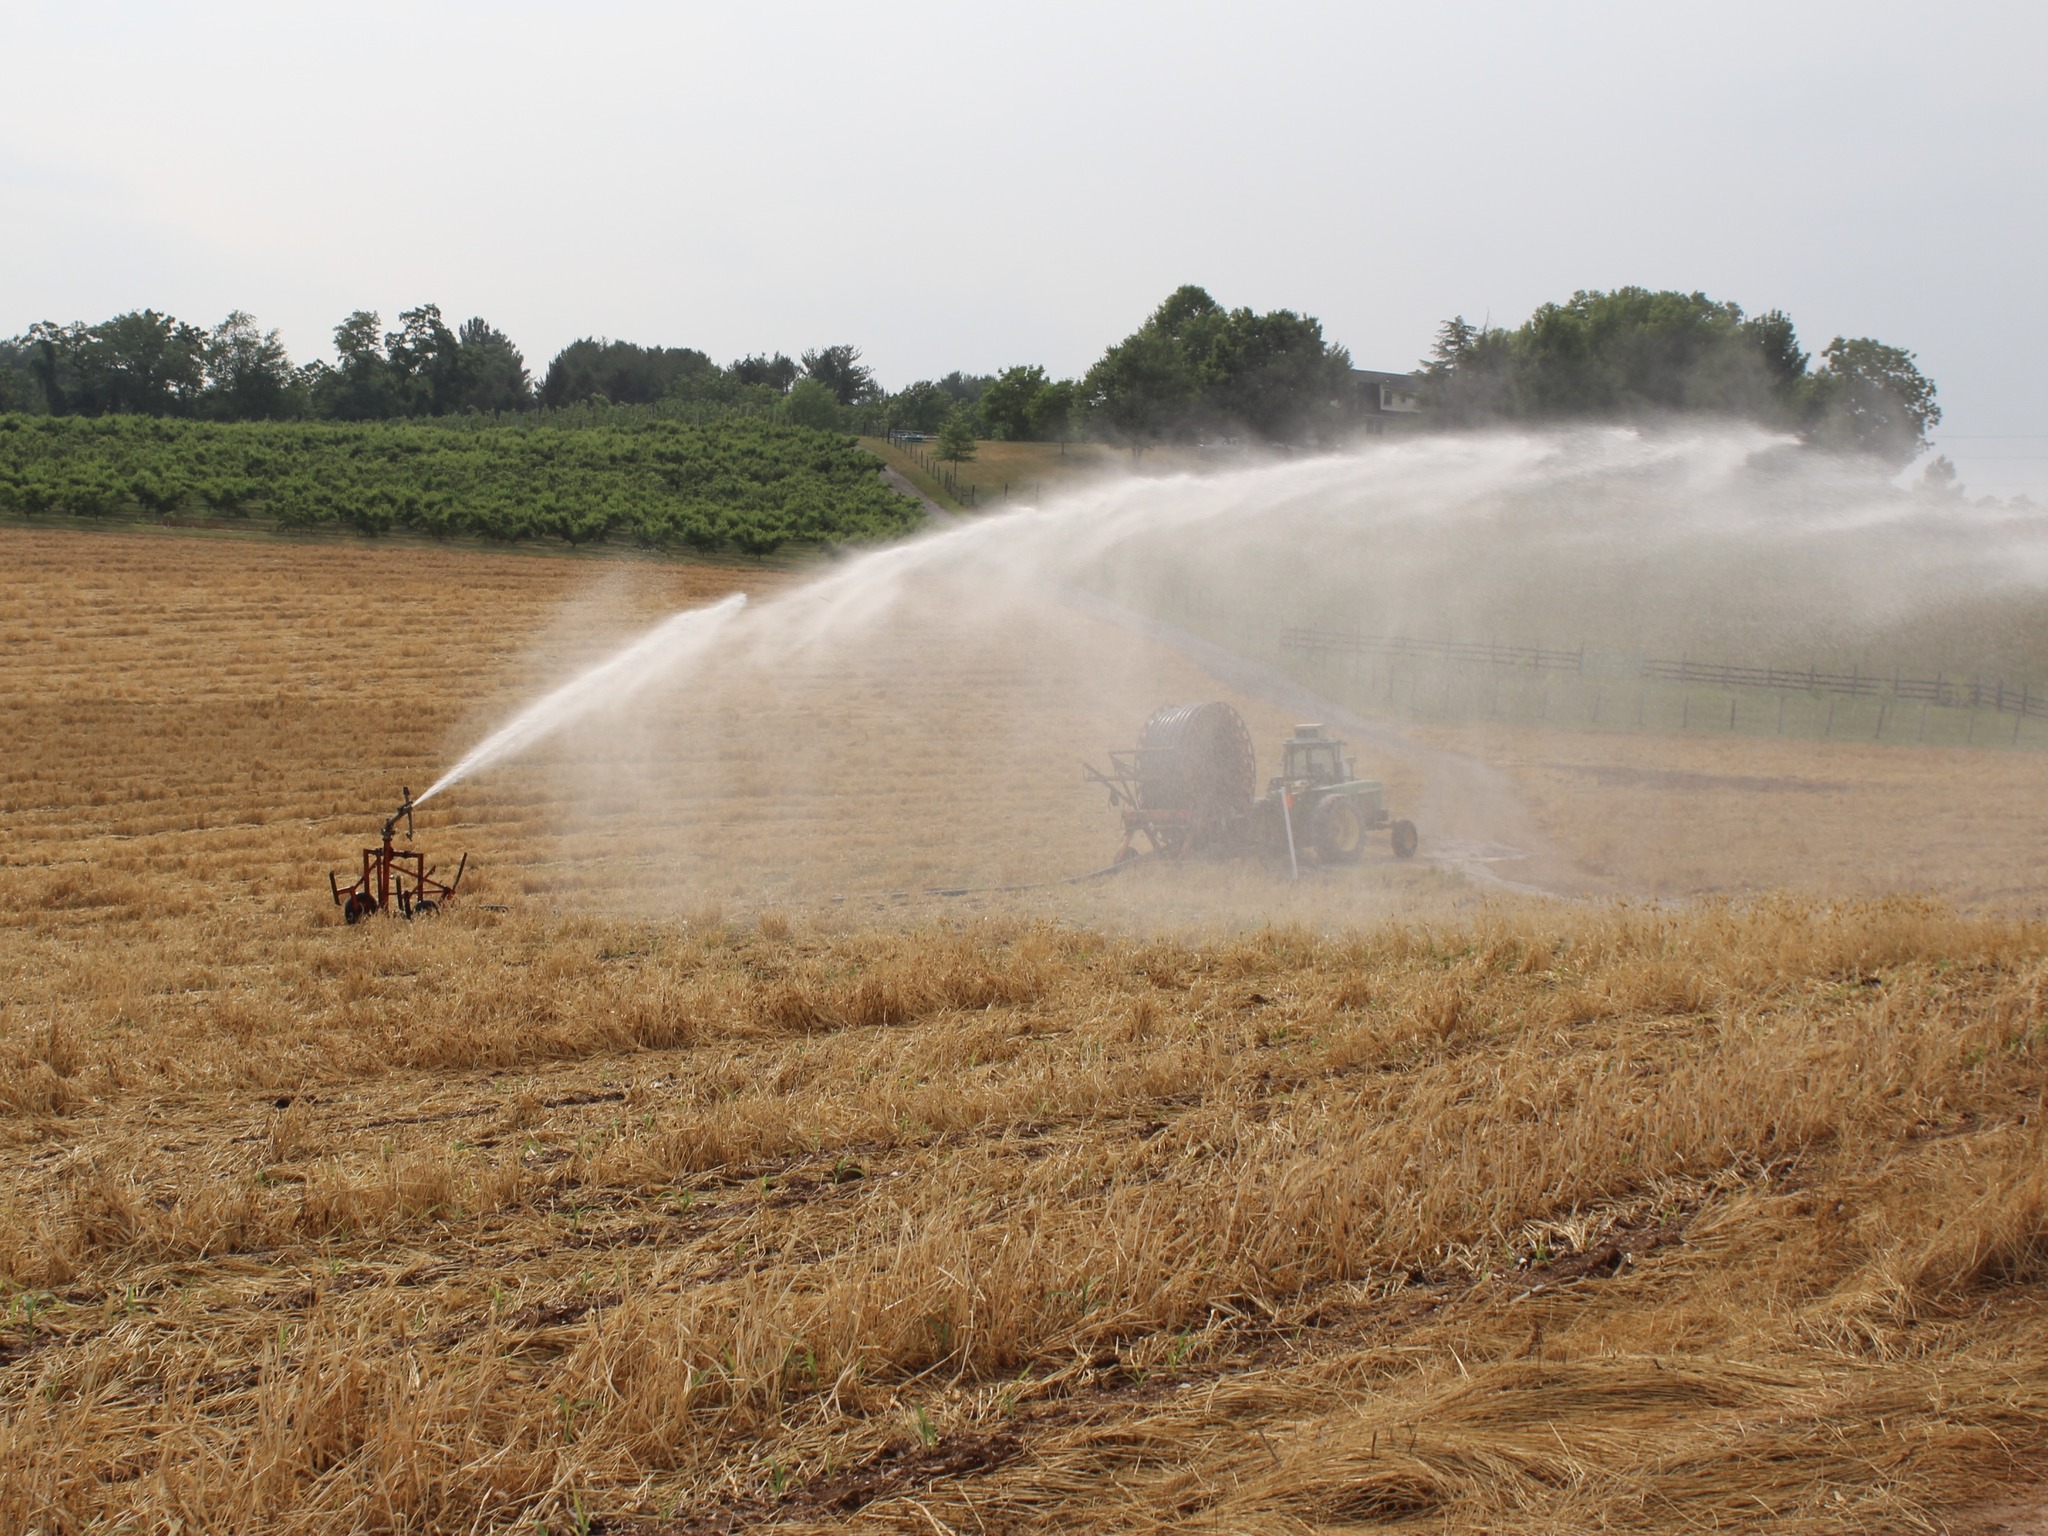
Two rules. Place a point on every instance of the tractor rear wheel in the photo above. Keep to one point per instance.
(1404, 840)
(1338, 831)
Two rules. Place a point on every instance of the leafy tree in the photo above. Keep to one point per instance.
(1195, 368)
(1455, 340)
(1469, 374)
(490, 372)
(424, 362)
(140, 363)
(777, 373)
(249, 375)
(1633, 350)
(810, 403)
(148, 364)
(1006, 404)
(1777, 343)
(919, 407)
(840, 370)
(1272, 375)
(48, 351)
(1939, 478)
(360, 386)
(1636, 352)
(1141, 389)
(956, 439)
(18, 388)
(965, 389)
(1872, 398)
(1052, 411)
(624, 374)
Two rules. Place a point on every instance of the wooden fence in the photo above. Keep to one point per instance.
(1474, 652)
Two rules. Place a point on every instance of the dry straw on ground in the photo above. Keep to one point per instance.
(1538, 1218)
(1677, 815)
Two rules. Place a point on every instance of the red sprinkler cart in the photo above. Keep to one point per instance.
(394, 879)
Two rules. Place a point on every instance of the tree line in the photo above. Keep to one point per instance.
(1192, 371)
(1635, 353)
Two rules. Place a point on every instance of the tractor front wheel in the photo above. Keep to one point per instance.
(1404, 839)
(1338, 831)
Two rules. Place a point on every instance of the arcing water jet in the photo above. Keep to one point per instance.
(911, 715)
(613, 681)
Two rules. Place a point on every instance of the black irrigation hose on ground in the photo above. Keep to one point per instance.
(1036, 885)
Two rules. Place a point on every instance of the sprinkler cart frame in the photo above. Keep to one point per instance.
(395, 878)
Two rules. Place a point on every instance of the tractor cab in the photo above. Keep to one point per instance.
(1310, 757)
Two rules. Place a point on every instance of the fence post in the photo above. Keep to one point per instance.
(1781, 714)
(1878, 734)
(1731, 711)
(1685, 712)
(1831, 717)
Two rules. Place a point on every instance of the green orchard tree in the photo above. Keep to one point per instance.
(956, 439)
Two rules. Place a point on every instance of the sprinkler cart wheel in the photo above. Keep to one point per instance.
(1404, 840)
(425, 907)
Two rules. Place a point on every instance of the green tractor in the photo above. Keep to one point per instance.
(1188, 787)
(1317, 803)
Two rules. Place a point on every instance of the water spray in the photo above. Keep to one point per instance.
(789, 741)
(400, 880)
(613, 681)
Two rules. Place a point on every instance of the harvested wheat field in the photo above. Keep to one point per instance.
(1684, 815)
(679, 1179)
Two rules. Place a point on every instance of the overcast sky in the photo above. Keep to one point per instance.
(955, 186)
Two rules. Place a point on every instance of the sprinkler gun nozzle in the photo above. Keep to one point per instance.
(405, 811)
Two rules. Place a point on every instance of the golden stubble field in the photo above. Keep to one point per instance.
(655, 1189)
(1682, 816)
